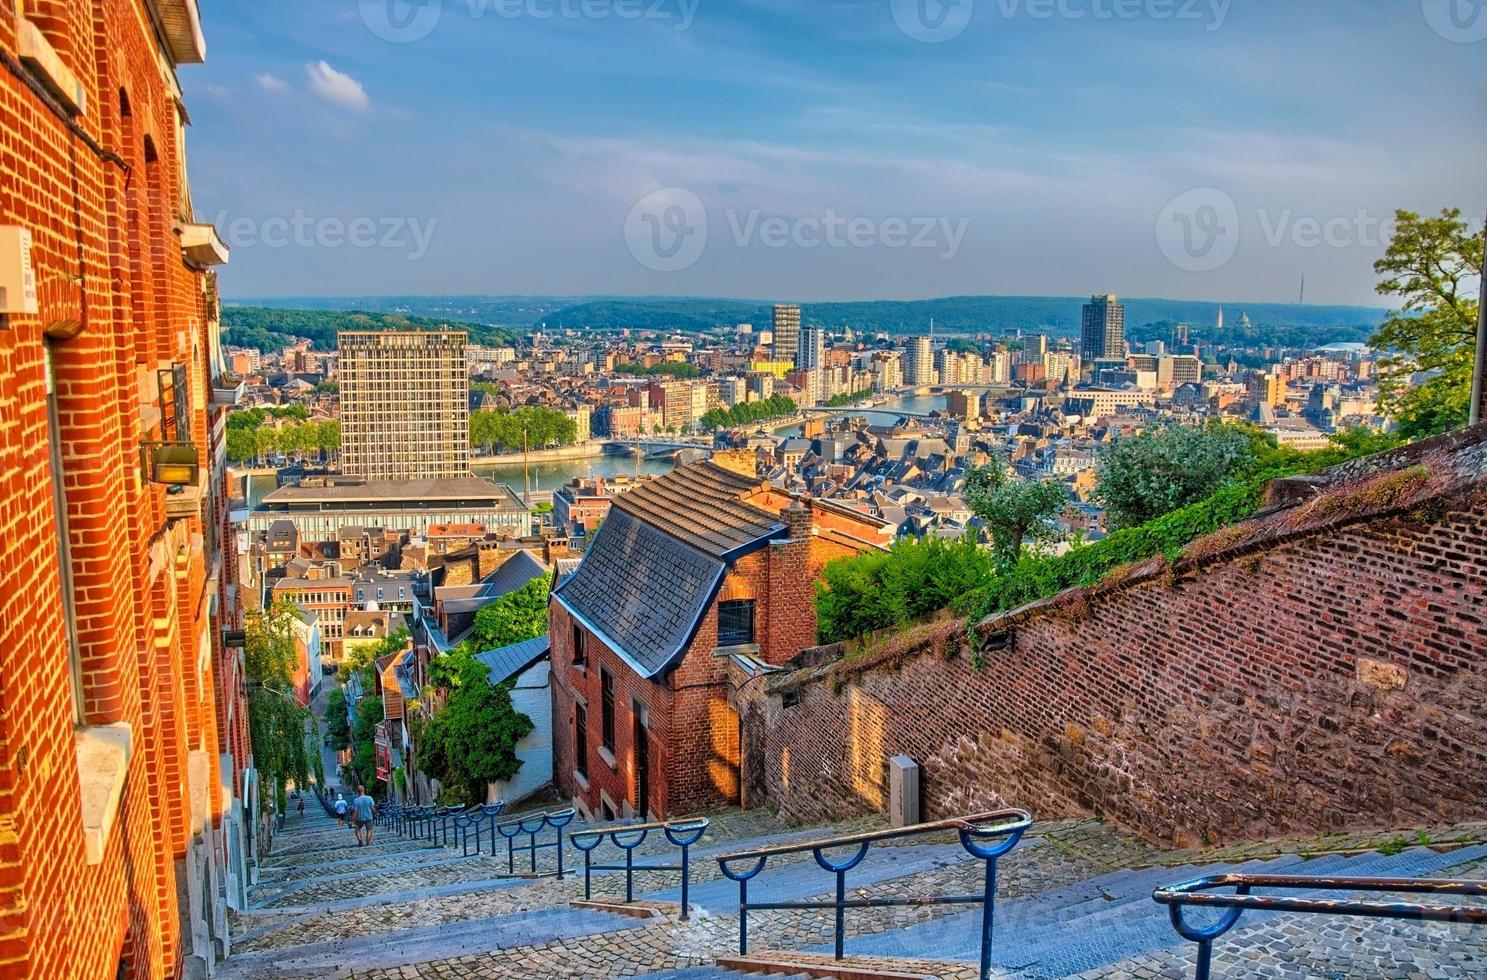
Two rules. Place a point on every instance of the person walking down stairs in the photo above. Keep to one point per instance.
(340, 810)
(362, 810)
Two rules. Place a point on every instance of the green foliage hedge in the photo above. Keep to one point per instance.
(917, 578)
(860, 595)
(747, 413)
(669, 369)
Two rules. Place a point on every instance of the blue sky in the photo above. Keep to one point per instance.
(834, 149)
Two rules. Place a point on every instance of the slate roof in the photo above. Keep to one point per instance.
(700, 506)
(507, 662)
(658, 559)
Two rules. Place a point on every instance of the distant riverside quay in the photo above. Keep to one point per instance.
(550, 472)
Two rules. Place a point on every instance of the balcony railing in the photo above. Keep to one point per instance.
(1200, 892)
(986, 836)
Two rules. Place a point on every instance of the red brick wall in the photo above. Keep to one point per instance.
(693, 729)
(107, 263)
(1337, 680)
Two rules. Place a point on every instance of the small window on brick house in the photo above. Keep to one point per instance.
(606, 710)
(64, 543)
(735, 622)
(580, 646)
(581, 740)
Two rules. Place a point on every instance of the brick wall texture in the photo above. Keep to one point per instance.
(1330, 680)
(690, 722)
(116, 301)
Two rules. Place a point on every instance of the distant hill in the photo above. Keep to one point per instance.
(269, 329)
(1272, 323)
(998, 315)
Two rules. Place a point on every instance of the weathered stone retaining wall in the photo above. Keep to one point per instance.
(1274, 681)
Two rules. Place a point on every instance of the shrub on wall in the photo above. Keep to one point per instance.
(915, 579)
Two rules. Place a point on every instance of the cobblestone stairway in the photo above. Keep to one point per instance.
(1074, 899)
(1093, 925)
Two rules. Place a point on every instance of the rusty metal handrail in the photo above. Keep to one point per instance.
(1196, 892)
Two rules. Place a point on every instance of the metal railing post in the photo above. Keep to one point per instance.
(987, 836)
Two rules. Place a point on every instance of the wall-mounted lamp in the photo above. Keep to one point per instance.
(173, 464)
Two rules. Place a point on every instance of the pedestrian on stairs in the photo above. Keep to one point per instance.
(302, 805)
(361, 816)
(340, 810)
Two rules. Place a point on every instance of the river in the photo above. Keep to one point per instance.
(554, 473)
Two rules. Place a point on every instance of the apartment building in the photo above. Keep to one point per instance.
(405, 404)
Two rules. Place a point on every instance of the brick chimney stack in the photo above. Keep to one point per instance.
(798, 519)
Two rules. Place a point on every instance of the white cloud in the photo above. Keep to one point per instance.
(337, 87)
(271, 83)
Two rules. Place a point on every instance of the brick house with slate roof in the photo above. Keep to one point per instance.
(694, 580)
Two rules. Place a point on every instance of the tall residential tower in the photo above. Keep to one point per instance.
(405, 404)
(786, 332)
(1104, 329)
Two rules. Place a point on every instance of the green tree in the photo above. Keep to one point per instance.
(516, 616)
(1143, 476)
(747, 413)
(471, 741)
(1014, 511)
(508, 431)
(364, 744)
(1430, 265)
(283, 734)
(336, 725)
(671, 369)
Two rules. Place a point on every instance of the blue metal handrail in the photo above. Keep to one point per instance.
(1005, 827)
(533, 824)
(1198, 892)
(475, 819)
(681, 833)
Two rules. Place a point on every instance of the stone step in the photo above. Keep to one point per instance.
(1111, 918)
(717, 973)
(398, 897)
(421, 944)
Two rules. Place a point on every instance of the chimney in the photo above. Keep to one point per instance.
(798, 519)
